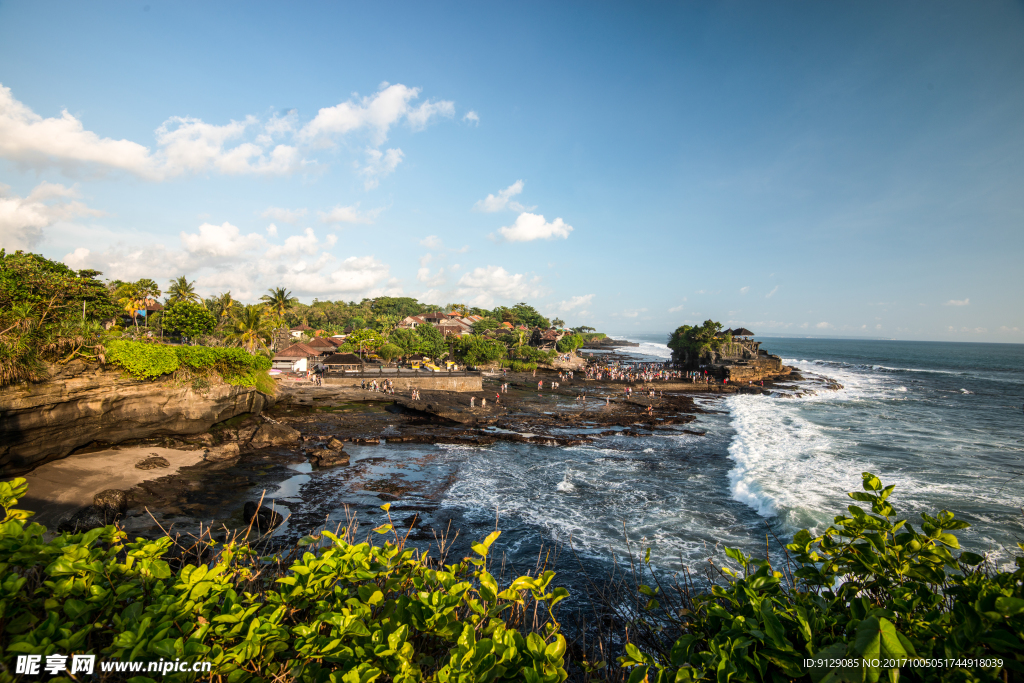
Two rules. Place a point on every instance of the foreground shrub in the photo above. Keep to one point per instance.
(870, 597)
(345, 612)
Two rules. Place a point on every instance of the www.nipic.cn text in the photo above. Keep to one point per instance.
(34, 665)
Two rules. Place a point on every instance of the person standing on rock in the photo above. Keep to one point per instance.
(472, 401)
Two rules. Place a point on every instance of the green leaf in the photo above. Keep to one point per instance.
(871, 482)
(1009, 606)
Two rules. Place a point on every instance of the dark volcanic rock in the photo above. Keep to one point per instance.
(265, 518)
(271, 434)
(329, 457)
(152, 463)
(111, 501)
(225, 452)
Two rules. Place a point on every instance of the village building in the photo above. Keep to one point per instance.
(546, 339)
(298, 358)
(343, 362)
(300, 330)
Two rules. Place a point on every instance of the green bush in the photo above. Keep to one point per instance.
(142, 360)
(146, 361)
(869, 592)
(569, 343)
(342, 612)
(519, 365)
(188, 319)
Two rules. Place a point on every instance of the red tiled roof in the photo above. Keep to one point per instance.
(298, 351)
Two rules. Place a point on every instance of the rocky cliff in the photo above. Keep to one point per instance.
(80, 404)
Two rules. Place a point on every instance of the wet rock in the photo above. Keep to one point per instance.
(335, 445)
(152, 463)
(83, 520)
(112, 502)
(226, 452)
(271, 434)
(263, 518)
(328, 457)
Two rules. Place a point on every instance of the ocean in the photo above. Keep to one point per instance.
(941, 421)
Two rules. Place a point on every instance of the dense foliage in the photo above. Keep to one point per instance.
(692, 345)
(570, 343)
(189, 319)
(143, 360)
(48, 312)
(870, 597)
(476, 350)
(345, 612)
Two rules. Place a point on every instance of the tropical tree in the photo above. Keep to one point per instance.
(223, 306)
(181, 289)
(252, 328)
(389, 352)
(364, 340)
(431, 341)
(136, 296)
(386, 323)
(569, 343)
(188, 319)
(692, 344)
(278, 301)
(557, 322)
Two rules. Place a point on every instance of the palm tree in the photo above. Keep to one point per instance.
(182, 290)
(278, 301)
(252, 328)
(223, 306)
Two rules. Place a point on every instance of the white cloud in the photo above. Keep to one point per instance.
(481, 286)
(575, 302)
(676, 309)
(633, 312)
(272, 230)
(744, 290)
(529, 226)
(354, 274)
(823, 326)
(348, 214)
(306, 243)
(472, 117)
(276, 213)
(32, 141)
(771, 293)
(220, 241)
(376, 113)
(379, 164)
(191, 145)
(435, 280)
(502, 201)
(220, 258)
(22, 220)
(421, 116)
(431, 242)
(957, 302)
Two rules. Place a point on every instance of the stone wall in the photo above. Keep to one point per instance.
(81, 404)
(437, 382)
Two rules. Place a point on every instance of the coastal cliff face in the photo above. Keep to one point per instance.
(80, 404)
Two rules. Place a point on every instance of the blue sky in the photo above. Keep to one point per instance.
(832, 169)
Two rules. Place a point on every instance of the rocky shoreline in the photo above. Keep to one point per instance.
(366, 442)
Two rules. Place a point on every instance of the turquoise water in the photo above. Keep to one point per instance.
(942, 421)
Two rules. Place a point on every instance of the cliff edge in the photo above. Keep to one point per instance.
(80, 404)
